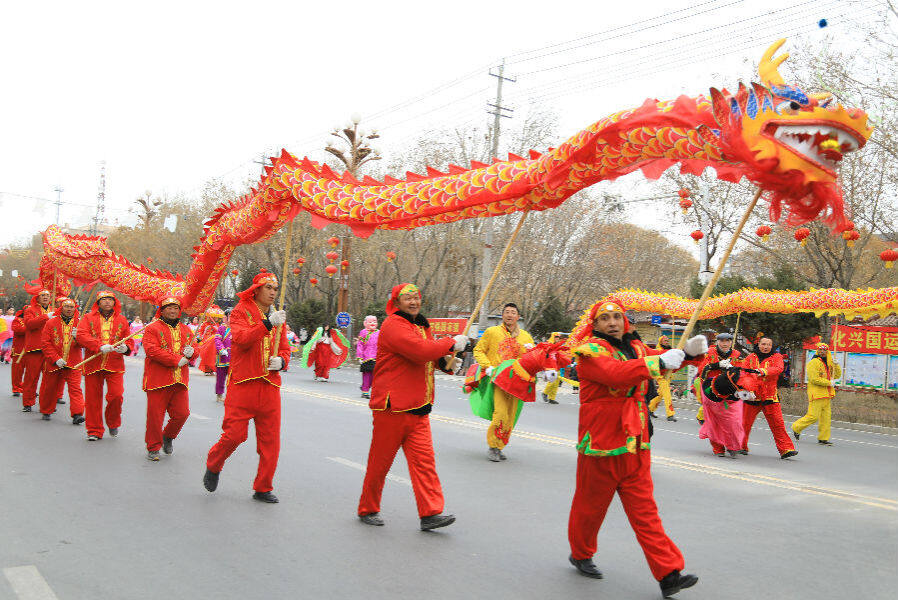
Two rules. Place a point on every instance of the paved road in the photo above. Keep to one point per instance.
(97, 520)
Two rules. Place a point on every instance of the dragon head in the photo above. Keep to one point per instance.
(790, 141)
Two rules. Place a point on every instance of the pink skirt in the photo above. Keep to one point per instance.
(723, 423)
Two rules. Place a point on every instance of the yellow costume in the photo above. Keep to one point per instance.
(821, 374)
(663, 385)
(495, 346)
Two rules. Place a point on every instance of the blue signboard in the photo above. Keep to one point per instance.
(343, 319)
(656, 319)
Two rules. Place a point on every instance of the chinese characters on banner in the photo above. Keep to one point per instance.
(441, 327)
(873, 340)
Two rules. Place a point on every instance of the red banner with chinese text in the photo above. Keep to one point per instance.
(865, 340)
(447, 326)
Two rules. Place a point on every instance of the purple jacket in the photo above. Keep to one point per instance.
(223, 342)
(366, 348)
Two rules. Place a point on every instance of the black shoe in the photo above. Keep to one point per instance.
(674, 581)
(743, 452)
(93, 438)
(26, 409)
(210, 480)
(701, 421)
(113, 431)
(672, 418)
(720, 454)
(586, 567)
(732, 453)
(493, 455)
(153, 455)
(166, 445)
(435, 521)
(553, 401)
(789, 454)
(77, 419)
(545, 398)
(45, 417)
(265, 497)
(502, 456)
(653, 415)
(372, 519)
(796, 435)
(825, 442)
(14, 394)
(60, 401)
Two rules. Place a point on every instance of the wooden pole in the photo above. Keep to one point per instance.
(736, 332)
(121, 341)
(283, 284)
(717, 272)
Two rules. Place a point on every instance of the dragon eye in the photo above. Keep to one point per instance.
(794, 105)
(789, 107)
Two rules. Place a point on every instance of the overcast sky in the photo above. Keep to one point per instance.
(173, 94)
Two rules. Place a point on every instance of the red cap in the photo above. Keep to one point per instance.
(166, 301)
(398, 290)
(258, 281)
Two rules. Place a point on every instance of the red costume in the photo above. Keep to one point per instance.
(18, 345)
(35, 317)
(58, 343)
(614, 448)
(96, 330)
(766, 401)
(164, 380)
(205, 337)
(253, 391)
(401, 399)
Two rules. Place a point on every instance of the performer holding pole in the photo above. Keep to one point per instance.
(61, 348)
(36, 315)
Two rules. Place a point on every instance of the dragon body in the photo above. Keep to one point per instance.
(785, 141)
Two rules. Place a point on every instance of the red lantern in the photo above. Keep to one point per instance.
(344, 264)
(697, 235)
(849, 226)
(300, 261)
(149, 260)
(888, 257)
(313, 281)
(801, 235)
(263, 270)
(850, 237)
(685, 204)
(763, 232)
(333, 241)
(297, 271)
(332, 256)
(391, 256)
(235, 272)
(331, 269)
(684, 193)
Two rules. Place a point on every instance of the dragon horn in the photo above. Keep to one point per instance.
(768, 68)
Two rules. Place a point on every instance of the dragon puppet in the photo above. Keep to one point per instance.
(782, 139)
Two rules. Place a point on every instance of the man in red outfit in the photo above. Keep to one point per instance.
(36, 316)
(614, 368)
(253, 392)
(61, 354)
(18, 346)
(770, 365)
(100, 331)
(402, 397)
(166, 342)
(719, 358)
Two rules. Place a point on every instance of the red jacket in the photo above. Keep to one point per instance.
(164, 347)
(94, 330)
(713, 357)
(613, 411)
(18, 332)
(35, 318)
(57, 342)
(403, 371)
(251, 346)
(771, 368)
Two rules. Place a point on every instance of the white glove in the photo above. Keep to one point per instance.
(275, 363)
(223, 352)
(551, 375)
(278, 317)
(529, 346)
(60, 363)
(672, 359)
(50, 314)
(187, 351)
(489, 371)
(121, 349)
(337, 349)
(696, 345)
(745, 395)
(460, 342)
(725, 363)
(182, 362)
(74, 331)
(107, 348)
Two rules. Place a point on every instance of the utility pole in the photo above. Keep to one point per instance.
(486, 267)
(58, 189)
(101, 200)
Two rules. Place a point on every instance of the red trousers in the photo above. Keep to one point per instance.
(412, 434)
(260, 401)
(93, 401)
(52, 387)
(598, 478)
(322, 371)
(34, 364)
(774, 415)
(18, 374)
(173, 400)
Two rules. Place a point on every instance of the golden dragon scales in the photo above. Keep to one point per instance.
(782, 139)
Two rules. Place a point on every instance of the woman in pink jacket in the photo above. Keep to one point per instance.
(366, 351)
